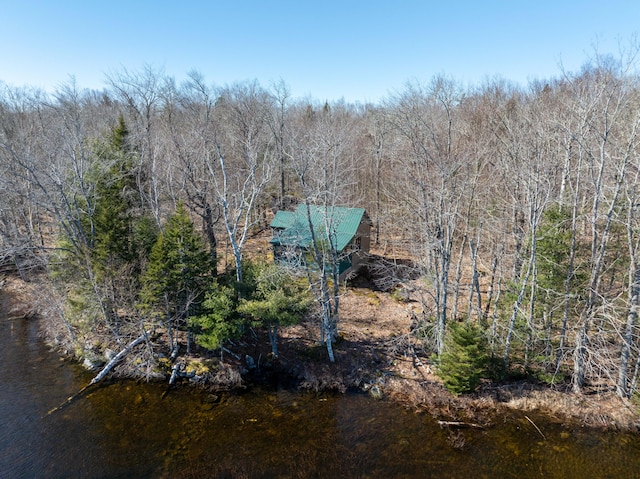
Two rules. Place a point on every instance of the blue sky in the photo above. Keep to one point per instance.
(361, 51)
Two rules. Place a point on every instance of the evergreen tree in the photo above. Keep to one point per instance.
(279, 300)
(177, 275)
(116, 191)
(100, 259)
(463, 362)
(219, 319)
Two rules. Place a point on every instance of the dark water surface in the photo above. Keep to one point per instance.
(128, 430)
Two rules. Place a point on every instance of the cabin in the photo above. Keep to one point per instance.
(349, 230)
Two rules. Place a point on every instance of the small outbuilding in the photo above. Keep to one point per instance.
(348, 229)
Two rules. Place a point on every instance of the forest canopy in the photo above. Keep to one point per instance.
(516, 206)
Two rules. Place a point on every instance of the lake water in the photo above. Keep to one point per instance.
(127, 429)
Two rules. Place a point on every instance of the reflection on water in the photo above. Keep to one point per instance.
(127, 429)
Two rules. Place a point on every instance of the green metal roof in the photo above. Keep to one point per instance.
(283, 219)
(338, 221)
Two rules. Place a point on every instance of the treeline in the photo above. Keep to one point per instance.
(518, 207)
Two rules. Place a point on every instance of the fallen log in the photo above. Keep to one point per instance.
(460, 424)
(237, 356)
(105, 370)
(175, 373)
(117, 358)
(537, 428)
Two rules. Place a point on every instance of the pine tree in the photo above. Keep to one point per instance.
(277, 301)
(219, 319)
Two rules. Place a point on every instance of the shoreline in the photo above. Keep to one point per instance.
(376, 368)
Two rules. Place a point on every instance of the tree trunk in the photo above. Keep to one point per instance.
(579, 361)
(105, 370)
(273, 338)
(211, 237)
(116, 359)
(514, 315)
(627, 340)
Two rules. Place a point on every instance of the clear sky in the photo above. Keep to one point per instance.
(327, 50)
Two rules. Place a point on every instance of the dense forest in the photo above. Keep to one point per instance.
(514, 210)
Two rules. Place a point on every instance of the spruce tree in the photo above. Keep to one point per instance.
(101, 257)
(115, 203)
(463, 362)
(178, 273)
